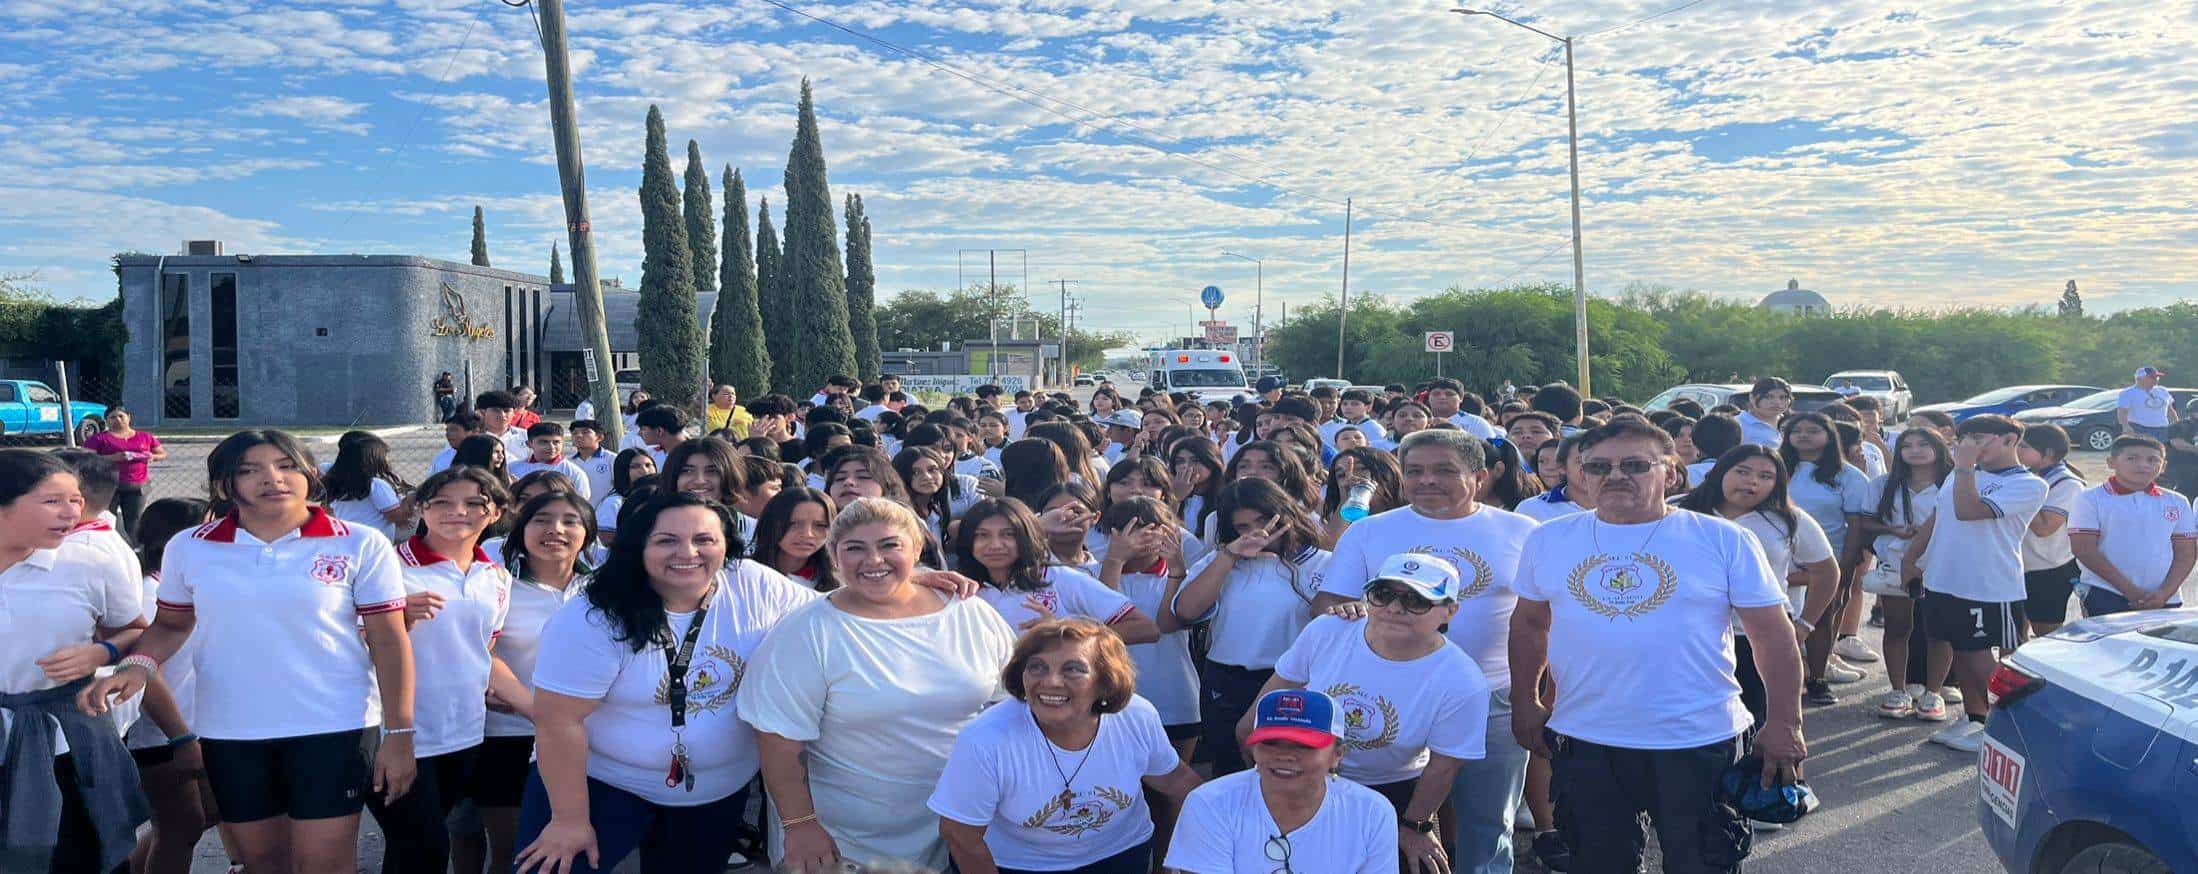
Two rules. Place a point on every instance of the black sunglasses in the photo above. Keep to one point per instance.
(1384, 594)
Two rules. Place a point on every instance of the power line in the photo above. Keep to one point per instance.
(1643, 20)
(429, 103)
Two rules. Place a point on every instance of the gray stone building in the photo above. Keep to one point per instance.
(341, 340)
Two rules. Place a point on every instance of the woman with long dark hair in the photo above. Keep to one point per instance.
(668, 625)
(791, 536)
(1031, 467)
(487, 453)
(853, 472)
(935, 491)
(1000, 546)
(1906, 497)
(1257, 589)
(1267, 460)
(1835, 493)
(1195, 474)
(1365, 465)
(1075, 447)
(631, 466)
(1066, 515)
(1508, 481)
(1748, 486)
(362, 488)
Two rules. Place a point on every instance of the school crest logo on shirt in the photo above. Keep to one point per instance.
(1071, 815)
(1369, 721)
(1630, 586)
(2172, 512)
(1476, 575)
(711, 680)
(331, 569)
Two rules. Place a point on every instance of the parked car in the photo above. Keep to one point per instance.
(2090, 420)
(1337, 384)
(1084, 379)
(2011, 400)
(628, 381)
(2086, 763)
(1807, 398)
(1888, 386)
(29, 408)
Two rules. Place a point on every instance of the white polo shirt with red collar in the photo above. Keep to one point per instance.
(280, 653)
(2137, 530)
(450, 652)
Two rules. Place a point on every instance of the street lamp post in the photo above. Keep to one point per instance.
(1259, 309)
(1579, 264)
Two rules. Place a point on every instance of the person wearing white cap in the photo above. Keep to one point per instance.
(2145, 408)
(1414, 707)
(1122, 428)
(1290, 813)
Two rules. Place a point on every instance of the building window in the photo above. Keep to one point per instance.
(223, 288)
(175, 346)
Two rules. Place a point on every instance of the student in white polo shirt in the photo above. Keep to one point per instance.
(1561, 499)
(1443, 471)
(595, 461)
(1768, 401)
(2049, 569)
(2135, 540)
(456, 599)
(1970, 554)
(290, 691)
(496, 410)
(546, 451)
(1290, 812)
(1355, 407)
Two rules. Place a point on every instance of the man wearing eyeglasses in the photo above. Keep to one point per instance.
(1629, 609)
(1443, 471)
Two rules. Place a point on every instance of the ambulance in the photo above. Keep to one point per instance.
(1204, 374)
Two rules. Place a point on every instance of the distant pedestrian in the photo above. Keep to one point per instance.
(2145, 408)
(132, 451)
(446, 397)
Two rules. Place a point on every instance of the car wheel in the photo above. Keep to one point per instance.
(2099, 439)
(2115, 858)
(90, 426)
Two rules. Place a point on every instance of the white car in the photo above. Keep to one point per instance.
(1890, 389)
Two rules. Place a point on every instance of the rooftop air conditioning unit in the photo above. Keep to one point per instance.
(202, 247)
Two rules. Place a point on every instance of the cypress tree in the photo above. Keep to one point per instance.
(557, 266)
(768, 301)
(670, 340)
(480, 239)
(739, 356)
(701, 221)
(812, 283)
(862, 290)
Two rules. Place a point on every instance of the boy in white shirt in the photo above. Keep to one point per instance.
(455, 431)
(546, 451)
(2135, 540)
(588, 453)
(1970, 555)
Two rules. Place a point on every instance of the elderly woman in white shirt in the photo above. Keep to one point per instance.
(856, 699)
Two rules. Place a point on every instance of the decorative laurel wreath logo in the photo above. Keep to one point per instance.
(1078, 818)
(1667, 584)
(1354, 703)
(709, 687)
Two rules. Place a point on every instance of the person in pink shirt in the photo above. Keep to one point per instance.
(132, 451)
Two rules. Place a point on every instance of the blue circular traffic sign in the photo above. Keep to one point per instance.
(1211, 296)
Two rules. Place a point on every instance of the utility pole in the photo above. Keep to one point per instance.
(587, 293)
(1064, 283)
(1343, 304)
(992, 295)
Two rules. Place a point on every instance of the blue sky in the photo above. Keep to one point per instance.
(1934, 154)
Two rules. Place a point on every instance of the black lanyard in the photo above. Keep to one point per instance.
(676, 661)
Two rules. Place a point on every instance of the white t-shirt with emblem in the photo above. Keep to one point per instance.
(598, 470)
(450, 652)
(282, 616)
(2137, 531)
(630, 731)
(1640, 642)
(1067, 593)
(1484, 547)
(1004, 776)
(1225, 828)
(1981, 560)
(1394, 713)
(2147, 407)
(1264, 603)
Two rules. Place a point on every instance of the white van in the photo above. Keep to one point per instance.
(1205, 374)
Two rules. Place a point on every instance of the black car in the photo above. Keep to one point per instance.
(2090, 420)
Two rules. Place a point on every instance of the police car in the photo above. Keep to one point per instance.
(2090, 761)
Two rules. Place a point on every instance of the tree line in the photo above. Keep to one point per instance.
(1649, 339)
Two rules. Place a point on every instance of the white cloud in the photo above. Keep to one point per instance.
(323, 113)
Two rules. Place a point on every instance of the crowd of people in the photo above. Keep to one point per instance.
(1297, 632)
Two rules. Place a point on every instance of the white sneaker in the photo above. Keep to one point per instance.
(1957, 734)
(1930, 708)
(1952, 694)
(1853, 649)
(1915, 690)
(1896, 705)
(1838, 673)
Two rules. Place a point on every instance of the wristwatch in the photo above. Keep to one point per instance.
(1423, 826)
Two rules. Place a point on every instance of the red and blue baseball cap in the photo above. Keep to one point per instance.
(1300, 716)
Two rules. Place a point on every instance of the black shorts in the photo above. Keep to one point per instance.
(1184, 731)
(1971, 626)
(318, 776)
(500, 771)
(2049, 591)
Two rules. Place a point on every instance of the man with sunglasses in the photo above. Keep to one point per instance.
(1443, 471)
(1288, 814)
(1629, 608)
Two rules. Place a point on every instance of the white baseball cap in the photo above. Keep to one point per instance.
(1130, 419)
(2149, 370)
(1431, 577)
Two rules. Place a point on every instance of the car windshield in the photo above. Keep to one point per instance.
(1866, 383)
(2096, 401)
(2000, 395)
(1209, 378)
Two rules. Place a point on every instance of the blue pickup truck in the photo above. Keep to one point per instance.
(29, 408)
